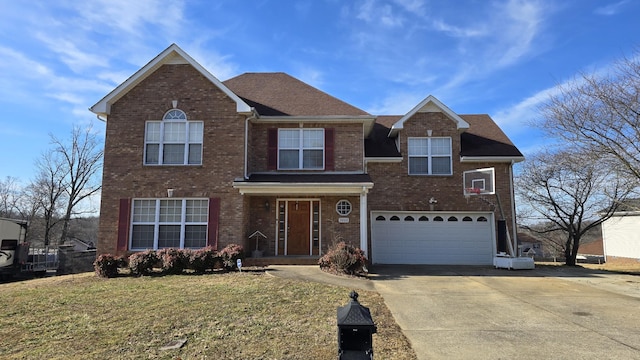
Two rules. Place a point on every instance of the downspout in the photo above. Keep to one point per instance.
(513, 210)
(253, 116)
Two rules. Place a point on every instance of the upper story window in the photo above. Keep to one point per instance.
(301, 149)
(430, 156)
(173, 141)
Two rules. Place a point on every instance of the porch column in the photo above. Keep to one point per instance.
(363, 222)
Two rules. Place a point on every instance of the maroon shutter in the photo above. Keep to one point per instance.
(214, 221)
(124, 217)
(272, 149)
(329, 162)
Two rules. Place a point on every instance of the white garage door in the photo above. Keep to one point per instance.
(437, 238)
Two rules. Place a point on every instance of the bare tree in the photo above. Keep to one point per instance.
(572, 192)
(46, 192)
(600, 113)
(9, 197)
(80, 159)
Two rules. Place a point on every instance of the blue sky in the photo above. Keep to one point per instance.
(497, 57)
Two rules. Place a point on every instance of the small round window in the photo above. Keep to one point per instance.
(343, 207)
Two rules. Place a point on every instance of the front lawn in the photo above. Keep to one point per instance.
(247, 315)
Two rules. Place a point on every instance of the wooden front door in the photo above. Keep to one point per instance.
(298, 238)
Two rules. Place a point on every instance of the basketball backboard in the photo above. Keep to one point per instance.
(479, 182)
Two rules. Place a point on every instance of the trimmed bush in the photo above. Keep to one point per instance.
(106, 265)
(202, 260)
(344, 259)
(173, 260)
(230, 255)
(142, 263)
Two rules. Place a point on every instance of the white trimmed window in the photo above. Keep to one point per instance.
(169, 223)
(430, 156)
(301, 149)
(173, 141)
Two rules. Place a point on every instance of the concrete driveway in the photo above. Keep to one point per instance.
(485, 313)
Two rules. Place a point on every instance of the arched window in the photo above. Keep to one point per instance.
(482, 219)
(174, 140)
(467, 218)
(409, 218)
(452, 218)
(380, 218)
(438, 218)
(423, 218)
(394, 218)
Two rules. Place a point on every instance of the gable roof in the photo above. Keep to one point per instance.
(171, 55)
(482, 141)
(279, 94)
(430, 104)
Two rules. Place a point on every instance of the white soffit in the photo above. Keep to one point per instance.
(430, 104)
(171, 55)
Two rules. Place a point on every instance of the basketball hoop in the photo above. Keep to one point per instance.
(472, 191)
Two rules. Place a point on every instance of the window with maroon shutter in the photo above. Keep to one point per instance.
(329, 162)
(272, 149)
(214, 222)
(124, 215)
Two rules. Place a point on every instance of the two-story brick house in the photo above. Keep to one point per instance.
(191, 161)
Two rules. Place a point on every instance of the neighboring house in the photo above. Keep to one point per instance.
(531, 246)
(621, 234)
(191, 161)
(591, 248)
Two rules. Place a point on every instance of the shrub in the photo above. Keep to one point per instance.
(202, 260)
(173, 261)
(230, 255)
(142, 263)
(344, 259)
(106, 265)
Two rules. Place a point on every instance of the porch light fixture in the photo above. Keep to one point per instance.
(432, 203)
(267, 205)
(169, 192)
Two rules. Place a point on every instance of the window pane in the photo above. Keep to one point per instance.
(289, 139)
(197, 211)
(312, 139)
(195, 154)
(195, 236)
(142, 237)
(152, 155)
(153, 131)
(289, 159)
(195, 131)
(176, 114)
(144, 211)
(440, 146)
(173, 154)
(170, 211)
(441, 165)
(418, 165)
(312, 159)
(169, 236)
(418, 147)
(175, 131)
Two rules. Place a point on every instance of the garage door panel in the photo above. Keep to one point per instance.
(432, 242)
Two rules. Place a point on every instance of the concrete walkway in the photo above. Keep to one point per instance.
(484, 313)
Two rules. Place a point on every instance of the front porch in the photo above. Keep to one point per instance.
(281, 260)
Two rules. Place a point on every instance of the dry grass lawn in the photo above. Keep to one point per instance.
(247, 315)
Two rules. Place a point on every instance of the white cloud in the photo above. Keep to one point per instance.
(372, 11)
(611, 9)
(456, 31)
